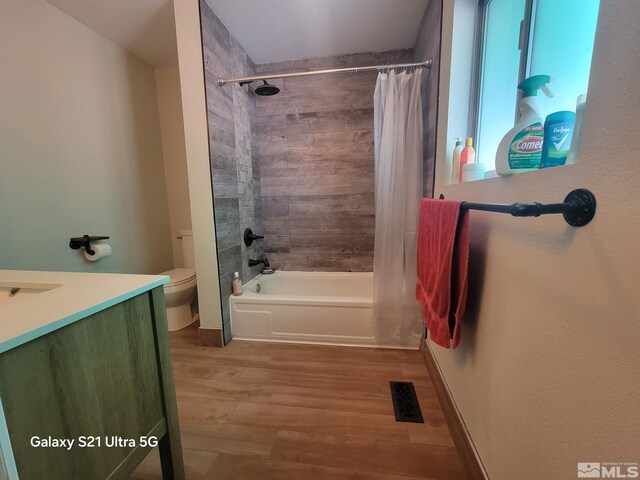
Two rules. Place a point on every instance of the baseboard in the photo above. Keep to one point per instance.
(461, 439)
(210, 337)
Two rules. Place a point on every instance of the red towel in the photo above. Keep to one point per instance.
(443, 257)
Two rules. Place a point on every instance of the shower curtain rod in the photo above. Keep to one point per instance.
(425, 64)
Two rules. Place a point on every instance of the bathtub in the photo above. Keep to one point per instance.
(306, 307)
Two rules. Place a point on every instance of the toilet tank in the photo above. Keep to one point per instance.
(187, 249)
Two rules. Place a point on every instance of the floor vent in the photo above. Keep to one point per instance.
(405, 402)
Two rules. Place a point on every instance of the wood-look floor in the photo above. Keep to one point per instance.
(266, 411)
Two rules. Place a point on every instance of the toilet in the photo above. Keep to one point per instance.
(181, 289)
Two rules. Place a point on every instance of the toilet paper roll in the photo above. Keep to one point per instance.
(102, 250)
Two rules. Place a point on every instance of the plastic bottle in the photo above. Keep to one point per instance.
(455, 170)
(237, 284)
(574, 151)
(558, 129)
(468, 155)
(521, 148)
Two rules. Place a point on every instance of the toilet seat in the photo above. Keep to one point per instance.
(179, 276)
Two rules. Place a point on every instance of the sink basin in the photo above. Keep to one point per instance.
(11, 292)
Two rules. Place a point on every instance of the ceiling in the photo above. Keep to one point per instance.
(268, 30)
(278, 30)
(146, 28)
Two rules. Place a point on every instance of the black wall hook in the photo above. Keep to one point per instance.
(85, 242)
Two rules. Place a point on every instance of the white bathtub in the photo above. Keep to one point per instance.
(306, 307)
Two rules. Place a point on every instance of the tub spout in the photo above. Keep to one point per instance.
(263, 261)
(267, 269)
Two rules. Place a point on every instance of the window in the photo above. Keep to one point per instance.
(521, 38)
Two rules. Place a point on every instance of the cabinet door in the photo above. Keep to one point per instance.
(97, 377)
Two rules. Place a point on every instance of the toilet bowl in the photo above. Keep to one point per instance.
(182, 287)
(178, 294)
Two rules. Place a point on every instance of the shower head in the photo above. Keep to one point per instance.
(267, 89)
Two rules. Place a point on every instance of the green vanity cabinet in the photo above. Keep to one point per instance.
(3, 470)
(105, 382)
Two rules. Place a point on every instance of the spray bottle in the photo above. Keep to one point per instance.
(521, 148)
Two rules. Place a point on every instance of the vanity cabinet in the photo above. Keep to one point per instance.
(104, 381)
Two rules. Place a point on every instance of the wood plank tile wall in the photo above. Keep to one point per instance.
(315, 143)
(232, 145)
(298, 166)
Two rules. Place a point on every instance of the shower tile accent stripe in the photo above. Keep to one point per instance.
(315, 143)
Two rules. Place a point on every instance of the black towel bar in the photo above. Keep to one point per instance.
(578, 209)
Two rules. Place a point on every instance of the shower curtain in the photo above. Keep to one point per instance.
(398, 176)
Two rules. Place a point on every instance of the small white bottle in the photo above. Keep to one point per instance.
(455, 168)
(237, 284)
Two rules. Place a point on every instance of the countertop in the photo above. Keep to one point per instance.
(77, 296)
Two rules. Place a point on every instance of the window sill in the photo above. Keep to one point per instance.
(491, 174)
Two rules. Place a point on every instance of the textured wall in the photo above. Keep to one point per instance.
(547, 371)
(175, 159)
(231, 109)
(316, 164)
(428, 47)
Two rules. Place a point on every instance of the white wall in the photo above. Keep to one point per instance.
(80, 148)
(547, 371)
(175, 157)
(196, 135)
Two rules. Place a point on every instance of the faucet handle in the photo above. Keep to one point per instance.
(249, 237)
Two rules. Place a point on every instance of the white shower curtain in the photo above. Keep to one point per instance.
(398, 167)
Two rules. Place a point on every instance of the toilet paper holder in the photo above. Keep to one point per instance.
(85, 242)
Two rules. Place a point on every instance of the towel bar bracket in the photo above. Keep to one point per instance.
(582, 209)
